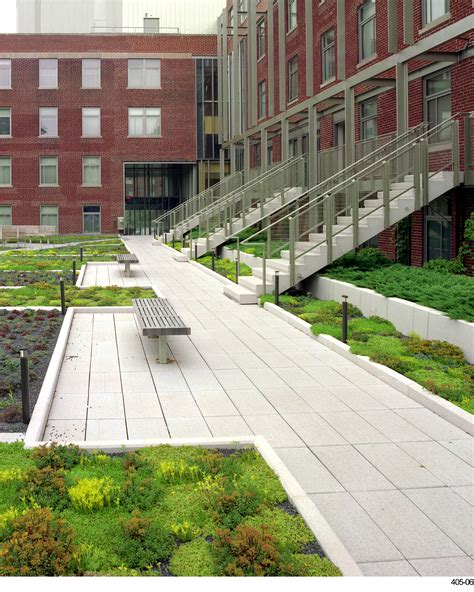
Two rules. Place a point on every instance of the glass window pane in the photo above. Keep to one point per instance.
(48, 73)
(5, 215)
(49, 171)
(49, 121)
(5, 171)
(91, 170)
(91, 122)
(152, 73)
(368, 39)
(5, 122)
(91, 73)
(152, 123)
(49, 216)
(5, 73)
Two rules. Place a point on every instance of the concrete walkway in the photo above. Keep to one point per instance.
(394, 480)
(112, 274)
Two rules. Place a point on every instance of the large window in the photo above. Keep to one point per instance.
(48, 73)
(367, 30)
(438, 230)
(5, 171)
(5, 122)
(49, 216)
(91, 73)
(293, 79)
(5, 215)
(91, 174)
(144, 73)
(434, 9)
(260, 38)
(5, 73)
(292, 14)
(207, 109)
(91, 219)
(243, 7)
(91, 122)
(368, 119)
(438, 103)
(328, 46)
(262, 99)
(144, 122)
(48, 122)
(49, 171)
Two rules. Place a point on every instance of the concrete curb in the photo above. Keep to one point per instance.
(80, 277)
(327, 538)
(455, 415)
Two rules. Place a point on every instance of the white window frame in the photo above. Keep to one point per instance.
(144, 116)
(242, 9)
(261, 38)
(9, 135)
(364, 119)
(6, 206)
(89, 213)
(292, 15)
(57, 215)
(41, 159)
(291, 75)
(99, 167)
(363, 23)
(262, 99)
(6, 67)
(88, 115)
(427, 11)
(9, 167)
(47, 112)
(443, 135)
(86, 67)
(144, 66)
(42, 66)
(328, 50)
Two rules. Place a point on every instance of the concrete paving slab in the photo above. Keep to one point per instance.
(228, 427)
(390, 397)
(153, 428)
(69, 406)
(353, 428)
(313, 430)
(393, 426)
(285, 401)
(178, 404)
(73, 383)
(462, 448)
(106, 429)
(448, 567)
(432, 425)
(106, 406)
(188, 427)
(394, 569)
(273, 427)
(466, 492)
(65, 430)
(142, 406)
(105, 382)
(251, 402)
(214, 403)
(321, 399)
(355, 398)
(310, 473)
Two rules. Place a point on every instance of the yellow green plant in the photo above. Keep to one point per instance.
(184, 531)
(14, 474)
(178, 472)
(91, 495)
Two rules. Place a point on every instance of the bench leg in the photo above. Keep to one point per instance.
(127, 269)
(163, 349)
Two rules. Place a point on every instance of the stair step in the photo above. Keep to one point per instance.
(240, 294)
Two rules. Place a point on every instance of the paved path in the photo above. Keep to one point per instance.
(393, 479)
(113, 274)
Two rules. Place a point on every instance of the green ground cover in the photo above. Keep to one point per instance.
(431, 286)
(63, 239)
(225, 267)
(42, 294)
(166, 510)
(436, 365)
(25, 278)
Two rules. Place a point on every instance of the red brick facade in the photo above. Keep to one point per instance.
(176, 98)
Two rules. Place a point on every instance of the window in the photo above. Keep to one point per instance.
(242, 8)
(438, 103)
(434, 9)
(262, 99)
(144, 122)
(48, 73)
(368, 119)
(49, 171)
(269, 155)
(91, 73)
(91, 122)
(91, 219)
(49, 216)
(5, 215)
(5, 73)
(91, 174)
(438, 229)
(367, 30)
(292, 14)
(231, 16)
(5, 171)
(48, 122)
(257, 155)
(293, 79)
(144, 73)
(260, 38)
(5, 122)
(328, 45)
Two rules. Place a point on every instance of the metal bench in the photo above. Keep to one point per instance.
(128, 259)
(158, 318)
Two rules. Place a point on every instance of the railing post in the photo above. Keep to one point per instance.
(207, 235)
(455, 138)
(416, 174)
(355, 214)
(237, 262)
(244, 207)
(264, 269)
(386, 194)
(328, 206)
(269, 237)
(262, 200)
(424, 170)
(292, 222)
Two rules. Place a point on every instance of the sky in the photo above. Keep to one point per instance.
(8, 20)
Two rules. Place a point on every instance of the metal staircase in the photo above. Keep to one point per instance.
(349, 208)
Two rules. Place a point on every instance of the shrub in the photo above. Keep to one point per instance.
(91, 495)
(365, 260)
(249, 551)
(441, 351)
(193, 560)
(45, 487)
(142, 493)
(232, 507)
(37, 544)
(57, 456)
(145, 543)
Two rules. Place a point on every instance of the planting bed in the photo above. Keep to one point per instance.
(160, 511)
(225, 267)
(33, 331)
(25, 278)
(436, 365)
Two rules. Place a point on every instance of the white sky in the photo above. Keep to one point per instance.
(8, 20)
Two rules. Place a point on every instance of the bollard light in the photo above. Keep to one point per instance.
(345, 310)
(63, 296)
(277, 288)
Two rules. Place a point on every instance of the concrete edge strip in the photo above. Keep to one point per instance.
(455, 415)
(325, 535)
(81, 275)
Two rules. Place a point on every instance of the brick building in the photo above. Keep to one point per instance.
(98, 127)
(328, 77)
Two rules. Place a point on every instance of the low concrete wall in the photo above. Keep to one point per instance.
(407, 317)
